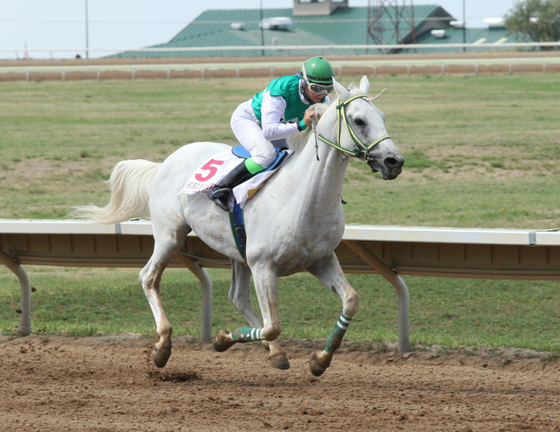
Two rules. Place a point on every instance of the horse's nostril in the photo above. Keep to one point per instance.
(392, 162)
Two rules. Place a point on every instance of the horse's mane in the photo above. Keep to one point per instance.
(296, 142)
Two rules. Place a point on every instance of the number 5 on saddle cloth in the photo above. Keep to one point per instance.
(216, 168)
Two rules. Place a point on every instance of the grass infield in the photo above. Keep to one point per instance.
(481, 151)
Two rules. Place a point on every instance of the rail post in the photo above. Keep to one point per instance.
(399, 284)
(25, 289)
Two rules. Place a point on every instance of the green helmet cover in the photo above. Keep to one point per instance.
(318, 70)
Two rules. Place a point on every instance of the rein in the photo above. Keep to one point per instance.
(360, 149)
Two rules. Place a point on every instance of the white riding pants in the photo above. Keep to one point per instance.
(248, 132)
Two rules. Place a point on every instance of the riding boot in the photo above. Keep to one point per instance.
(221, 192)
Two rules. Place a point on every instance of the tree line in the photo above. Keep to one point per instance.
(540, 19)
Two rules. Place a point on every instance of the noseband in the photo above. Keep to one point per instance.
(360, 149)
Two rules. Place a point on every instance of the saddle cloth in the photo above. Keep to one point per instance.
(217, 166)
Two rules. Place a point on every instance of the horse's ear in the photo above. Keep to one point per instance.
(364, 85)
(341, 92)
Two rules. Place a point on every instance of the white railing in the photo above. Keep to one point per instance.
(290, 48)
(384, 250)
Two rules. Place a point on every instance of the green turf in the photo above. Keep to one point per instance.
(481, 152)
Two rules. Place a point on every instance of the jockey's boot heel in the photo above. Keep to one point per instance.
(220, 197)
(221, 193)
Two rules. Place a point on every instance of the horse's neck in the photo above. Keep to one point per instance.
(321, 171)
(315, 186)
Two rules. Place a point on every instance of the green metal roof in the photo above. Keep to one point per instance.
(345, 26)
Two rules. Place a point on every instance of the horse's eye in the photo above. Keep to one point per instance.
(359, 122)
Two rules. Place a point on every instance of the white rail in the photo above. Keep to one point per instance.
(385, 250)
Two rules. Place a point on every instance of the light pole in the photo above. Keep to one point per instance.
(87, 35)
(464, 27)
(262, 30)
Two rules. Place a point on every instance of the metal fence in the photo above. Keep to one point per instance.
(384, 250)
(292, 49)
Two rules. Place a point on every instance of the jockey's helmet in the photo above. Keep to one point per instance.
(318, 70)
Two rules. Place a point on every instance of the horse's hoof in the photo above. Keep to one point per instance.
(279, 361)
(317, 365)
(161, 356)
(223, 341)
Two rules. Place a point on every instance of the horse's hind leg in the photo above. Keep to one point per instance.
(329, 272)
(168, 241)
(240, 296)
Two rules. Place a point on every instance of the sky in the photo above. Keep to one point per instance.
(115, 25)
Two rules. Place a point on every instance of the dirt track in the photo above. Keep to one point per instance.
(103, 384)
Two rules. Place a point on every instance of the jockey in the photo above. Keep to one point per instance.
(262, 124)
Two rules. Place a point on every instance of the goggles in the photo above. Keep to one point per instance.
(317, 89)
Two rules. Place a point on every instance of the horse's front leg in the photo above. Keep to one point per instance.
(266, 286)
(329, 272)
(240, 296)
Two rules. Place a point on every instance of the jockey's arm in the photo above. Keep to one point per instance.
(272, 114)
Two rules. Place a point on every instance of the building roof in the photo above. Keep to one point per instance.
(345, 26)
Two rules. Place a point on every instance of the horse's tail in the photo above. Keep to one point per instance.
(130, 183)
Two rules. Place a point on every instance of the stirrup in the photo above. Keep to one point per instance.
(220, 196)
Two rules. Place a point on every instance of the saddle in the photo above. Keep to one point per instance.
(281, 155)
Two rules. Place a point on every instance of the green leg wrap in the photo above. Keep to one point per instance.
(335, 338)
(253, 167)
(246, 334)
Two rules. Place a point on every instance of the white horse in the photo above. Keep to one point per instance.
(293, 224)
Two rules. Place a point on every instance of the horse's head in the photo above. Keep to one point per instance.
(361, 131)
